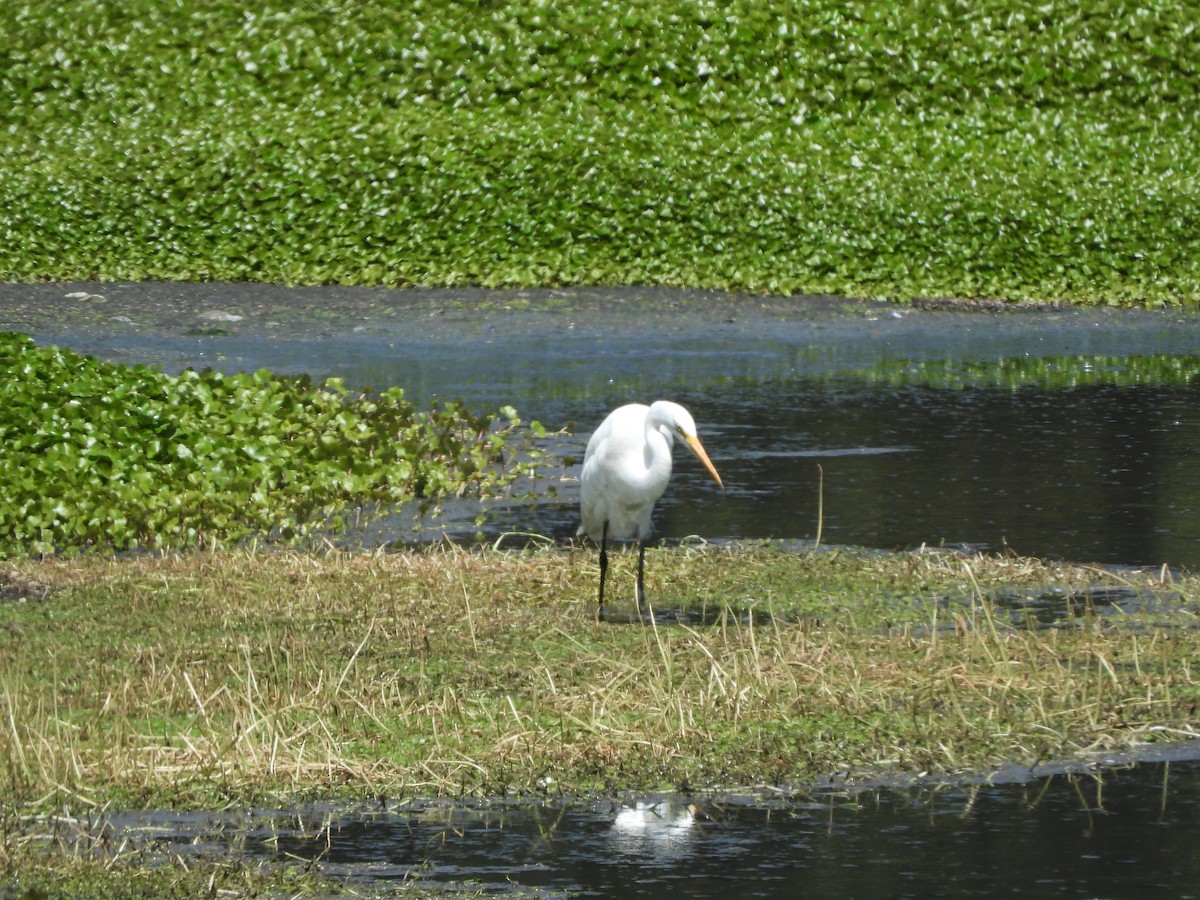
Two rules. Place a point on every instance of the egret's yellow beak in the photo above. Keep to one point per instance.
(696, 447)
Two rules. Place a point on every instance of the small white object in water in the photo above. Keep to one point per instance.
(655, 826)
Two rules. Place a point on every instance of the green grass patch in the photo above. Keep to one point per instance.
(957, 149)
(238, 678)
(1039, 372)
(102, 872)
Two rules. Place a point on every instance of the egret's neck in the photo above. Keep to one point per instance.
(663, 430)
(660, 421)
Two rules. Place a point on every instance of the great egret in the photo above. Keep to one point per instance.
(625, 471)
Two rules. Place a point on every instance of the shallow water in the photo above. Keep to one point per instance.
(981, 842)
(1058, 835)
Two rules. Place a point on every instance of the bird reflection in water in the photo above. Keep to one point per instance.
(654, 827)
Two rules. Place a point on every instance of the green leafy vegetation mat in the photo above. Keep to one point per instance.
(960, 149)
(98, 455)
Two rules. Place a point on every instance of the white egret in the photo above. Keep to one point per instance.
(625, 471)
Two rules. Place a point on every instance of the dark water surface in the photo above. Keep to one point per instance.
(1115, 832)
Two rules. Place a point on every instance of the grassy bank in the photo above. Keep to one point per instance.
(966, 150)
(230, 677)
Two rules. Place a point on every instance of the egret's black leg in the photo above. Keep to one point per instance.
(603, 569)
(641, 587)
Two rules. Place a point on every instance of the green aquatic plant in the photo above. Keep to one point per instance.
(121, 457)
(1045, 372)
(986, 149)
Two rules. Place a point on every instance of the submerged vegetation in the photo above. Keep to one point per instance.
(98, 455)
(956, 149)
(1044, 372)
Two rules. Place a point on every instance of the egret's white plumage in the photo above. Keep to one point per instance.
(626, 469)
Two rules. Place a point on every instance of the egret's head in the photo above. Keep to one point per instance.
(679, 423)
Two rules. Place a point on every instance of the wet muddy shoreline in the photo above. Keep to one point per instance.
(94, 309)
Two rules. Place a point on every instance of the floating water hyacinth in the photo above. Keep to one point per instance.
(950, 151)
(120, 457)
